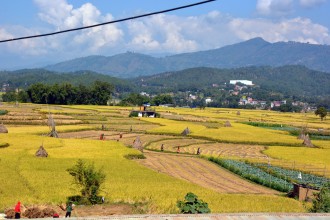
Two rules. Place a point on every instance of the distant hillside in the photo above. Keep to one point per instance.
(254, 52)
(288, 80)
(24, 78)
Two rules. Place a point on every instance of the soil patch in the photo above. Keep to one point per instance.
(201, 172)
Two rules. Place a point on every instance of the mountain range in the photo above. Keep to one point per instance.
(254, 52)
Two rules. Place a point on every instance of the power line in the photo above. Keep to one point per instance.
(109, 22)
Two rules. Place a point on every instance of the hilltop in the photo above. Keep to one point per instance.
(254, 52)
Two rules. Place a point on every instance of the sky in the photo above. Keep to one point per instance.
(204, 27)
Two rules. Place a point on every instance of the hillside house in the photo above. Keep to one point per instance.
(277, 103)
(143, 112)
(245, 82)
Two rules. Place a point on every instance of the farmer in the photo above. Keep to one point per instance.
(162, 147)
(198, 151)
(178, 150)
(69, 209)
(18, 210)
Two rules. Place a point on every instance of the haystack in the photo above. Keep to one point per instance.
(302, 133)
(41, 152)
(186, 131)
(238, 113)
(307, 141)
(137, 144)
(52, 126)
(227, 124)
(301, 136)
(3, 129)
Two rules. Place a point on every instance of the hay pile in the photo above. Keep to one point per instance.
(302, 133)
(185, 132)
(307, 142)
(137, 144)
(3, 129)
(227, 124)
(41, 152)
(32, 212)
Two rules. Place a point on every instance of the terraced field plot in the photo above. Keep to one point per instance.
(201, 172)
(175, 174)
(209, 148)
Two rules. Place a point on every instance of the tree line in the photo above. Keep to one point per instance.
(99, 93)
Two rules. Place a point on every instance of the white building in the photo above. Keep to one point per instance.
(245, 82)
(208, 100)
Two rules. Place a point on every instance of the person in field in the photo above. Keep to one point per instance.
(162, 147)
(18, 210)
(69, 209)
(178, 150)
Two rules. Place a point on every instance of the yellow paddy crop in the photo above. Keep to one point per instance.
(238, 133)
(315, 160)
(45, 180)
(43, 130)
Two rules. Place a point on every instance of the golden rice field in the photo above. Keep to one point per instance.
(215, 114)
(45, 181)
(238, 133)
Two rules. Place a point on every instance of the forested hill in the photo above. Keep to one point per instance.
(291, 80)
(254, 52)
(26, 77)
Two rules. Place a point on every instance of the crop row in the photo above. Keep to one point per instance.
(295, 176)
(254, 174)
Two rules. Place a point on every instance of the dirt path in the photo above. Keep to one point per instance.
(201, 172)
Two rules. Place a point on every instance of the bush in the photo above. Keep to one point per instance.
(3, 112)
(134, 156)
(88, 179)
(321, 203)
(133, 114)
(192, 205)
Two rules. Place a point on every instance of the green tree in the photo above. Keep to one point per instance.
(88, 179)
(162, 99)
(9, 96)
(321, 203)
(192, 205)
(134, 99)
(101, 92)
(322, 112)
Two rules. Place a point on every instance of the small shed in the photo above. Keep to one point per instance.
(303, 192)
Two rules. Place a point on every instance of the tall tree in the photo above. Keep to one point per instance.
(322, 112)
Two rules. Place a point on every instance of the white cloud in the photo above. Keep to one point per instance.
(4, 34)
(297, 29)
(156, 34)
(274, 7)
(311, 3)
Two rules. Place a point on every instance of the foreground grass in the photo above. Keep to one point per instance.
(44, 180)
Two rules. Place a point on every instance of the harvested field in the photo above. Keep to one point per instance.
(127, 138)
(201, 172)
(171, 144)
(210, 148)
